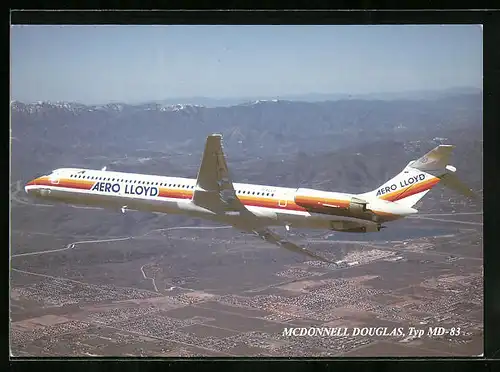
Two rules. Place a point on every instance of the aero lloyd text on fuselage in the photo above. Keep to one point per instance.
(116, 188)
(405, 183)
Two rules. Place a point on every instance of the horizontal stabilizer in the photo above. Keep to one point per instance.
(435, 160)
(451, 181)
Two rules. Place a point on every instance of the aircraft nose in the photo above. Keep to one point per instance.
(28, 187)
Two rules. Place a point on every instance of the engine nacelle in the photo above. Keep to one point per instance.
(314, 199)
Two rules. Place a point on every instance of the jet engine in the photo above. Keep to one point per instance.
(313, 199)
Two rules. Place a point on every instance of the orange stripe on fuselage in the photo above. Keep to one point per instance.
(410, 190)
(65, 182)
(164, 192)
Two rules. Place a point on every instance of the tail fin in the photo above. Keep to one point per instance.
(419, 176)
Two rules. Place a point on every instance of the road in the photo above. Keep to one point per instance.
(446, 214)
(445, 220)
(153, 281)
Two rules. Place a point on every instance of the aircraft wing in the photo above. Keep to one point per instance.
(214, 189)
(273, 238)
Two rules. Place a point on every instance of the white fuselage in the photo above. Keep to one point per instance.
(274, 205)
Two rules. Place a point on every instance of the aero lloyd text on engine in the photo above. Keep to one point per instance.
(408, 182)
(128, 189)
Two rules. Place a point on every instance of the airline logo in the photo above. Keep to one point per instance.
(405, 183)
(129, 189)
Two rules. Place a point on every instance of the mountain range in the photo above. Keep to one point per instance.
(347, 145)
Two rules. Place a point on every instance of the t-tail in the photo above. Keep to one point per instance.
(419, 177)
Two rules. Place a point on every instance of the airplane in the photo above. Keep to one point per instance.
(253, 208)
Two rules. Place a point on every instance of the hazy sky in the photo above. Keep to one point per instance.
(99, 64)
